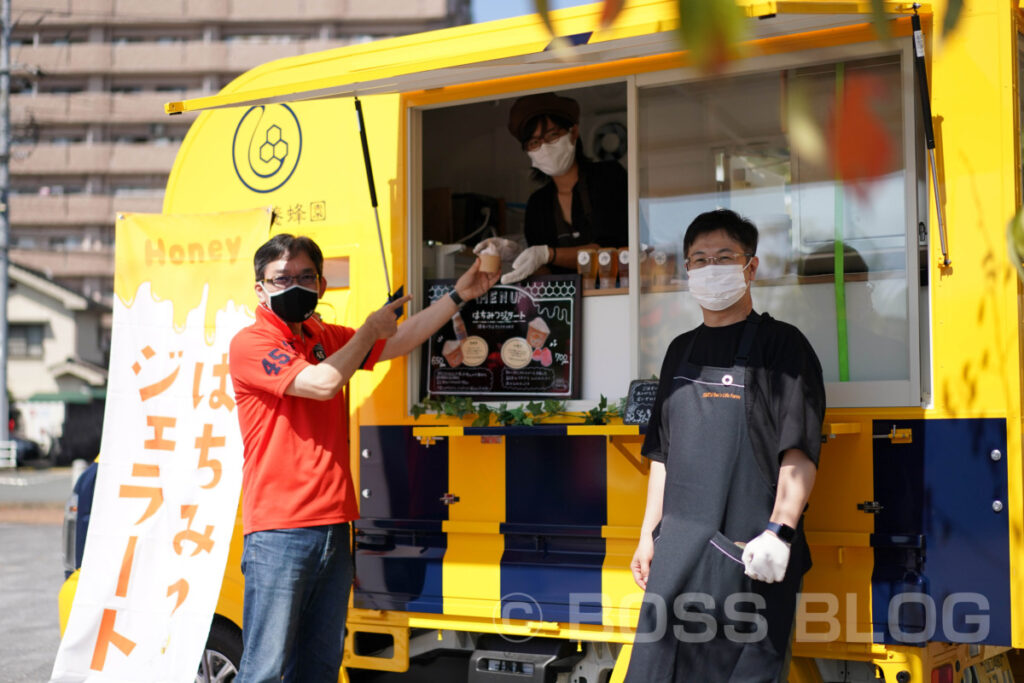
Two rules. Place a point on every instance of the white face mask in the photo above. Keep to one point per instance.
(716, 287)
(554, 158)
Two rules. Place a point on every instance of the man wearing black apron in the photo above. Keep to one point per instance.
(734, 439)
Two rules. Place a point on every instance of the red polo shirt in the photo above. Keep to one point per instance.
(296, 471)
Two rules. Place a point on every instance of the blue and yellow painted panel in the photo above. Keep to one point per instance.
(555, 509)
(399, 538)
(472, 569)
(517, 522)
(626, 490)
(525, 533)
(941, 536)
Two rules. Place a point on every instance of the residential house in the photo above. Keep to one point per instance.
(58, 342)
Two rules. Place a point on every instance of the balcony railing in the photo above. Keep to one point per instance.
(67, 262)
(186, 57)
(103, 158)
(79, 209)
(76, 12)
(97, 107)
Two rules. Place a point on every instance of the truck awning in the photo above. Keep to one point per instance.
(511, 47)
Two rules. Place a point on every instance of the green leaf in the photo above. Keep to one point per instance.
(483, 416)
(554, 406)
(1015, 242)
(710, 30)
(953, 9)
(598, 414)
(463, 406)
(879, 20)
(542, 9)
(417, 410)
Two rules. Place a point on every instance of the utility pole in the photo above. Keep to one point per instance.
(5, 206)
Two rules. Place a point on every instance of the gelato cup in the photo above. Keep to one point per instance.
(490, 260)
(452, 352)
(537, 333)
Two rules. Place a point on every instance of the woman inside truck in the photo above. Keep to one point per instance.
(582, 203)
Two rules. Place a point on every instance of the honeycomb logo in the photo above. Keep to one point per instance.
(266, 147)
(274, 148)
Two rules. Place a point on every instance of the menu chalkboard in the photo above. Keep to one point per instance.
(517, 341)
(640, 401)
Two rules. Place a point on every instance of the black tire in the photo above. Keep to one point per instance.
(223, 653)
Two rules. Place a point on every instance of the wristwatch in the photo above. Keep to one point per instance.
(459, 302)
(784, 532)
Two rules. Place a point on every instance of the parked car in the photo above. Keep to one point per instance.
(27, 450)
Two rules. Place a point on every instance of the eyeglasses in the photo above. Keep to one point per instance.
(727, 259)
(282, 281)
(533, 144)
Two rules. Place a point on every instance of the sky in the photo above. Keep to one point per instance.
(489, 10)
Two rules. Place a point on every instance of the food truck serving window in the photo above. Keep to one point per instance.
(549, 336)
(838, 259)
(839, 252)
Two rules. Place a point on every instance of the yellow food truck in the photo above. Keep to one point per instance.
(505, 545)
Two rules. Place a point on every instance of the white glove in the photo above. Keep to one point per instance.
(527, 263)
(507, 249)
(766, 558)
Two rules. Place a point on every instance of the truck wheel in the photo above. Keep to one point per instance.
(223, 653)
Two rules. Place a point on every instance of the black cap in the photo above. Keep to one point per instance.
(544, 104)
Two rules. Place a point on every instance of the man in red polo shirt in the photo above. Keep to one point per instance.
(288, 370)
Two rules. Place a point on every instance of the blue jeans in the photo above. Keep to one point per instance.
(297, 583)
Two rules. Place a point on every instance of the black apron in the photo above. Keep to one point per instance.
(703, 619)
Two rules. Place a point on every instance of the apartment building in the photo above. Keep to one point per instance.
(89, 80)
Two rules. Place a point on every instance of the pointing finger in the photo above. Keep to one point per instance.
(397, 303)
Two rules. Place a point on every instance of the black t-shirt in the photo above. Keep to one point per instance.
(785, 397)
(599, 201)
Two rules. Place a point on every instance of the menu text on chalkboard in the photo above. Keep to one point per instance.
(640, 401)
(517, 341)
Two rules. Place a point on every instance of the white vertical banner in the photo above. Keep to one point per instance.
(171, 455)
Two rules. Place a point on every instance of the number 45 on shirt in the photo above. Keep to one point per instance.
(275, 360)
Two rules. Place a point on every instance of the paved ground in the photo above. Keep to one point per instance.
(28, 487)
(31, 570)
(31, 573)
